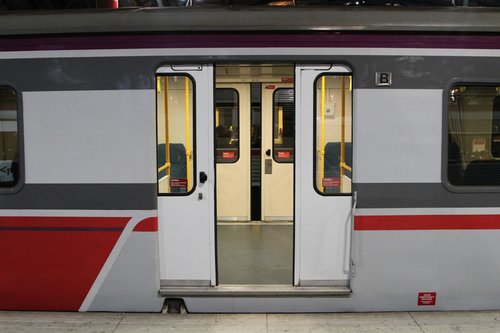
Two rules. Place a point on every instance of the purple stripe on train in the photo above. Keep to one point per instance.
(183, 40)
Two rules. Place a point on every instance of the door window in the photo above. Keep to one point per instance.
(227, 130)
(283, 125)
(175, 137)
(333, 139)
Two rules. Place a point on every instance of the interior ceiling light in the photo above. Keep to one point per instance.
(283, 3)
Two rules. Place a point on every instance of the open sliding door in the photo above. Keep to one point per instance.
(185, 175)
(323, 175)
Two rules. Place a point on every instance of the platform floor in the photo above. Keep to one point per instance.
(400, 322)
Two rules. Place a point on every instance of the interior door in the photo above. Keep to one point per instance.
(277, 153)
(232, 133)
(186, 174)
(323, 174)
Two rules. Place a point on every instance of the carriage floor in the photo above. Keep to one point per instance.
(255, 253)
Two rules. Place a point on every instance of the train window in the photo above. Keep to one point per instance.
(9, 159)
(474, 135)
(175, 137)
(283, 125)
(333, 134)
(226, 125)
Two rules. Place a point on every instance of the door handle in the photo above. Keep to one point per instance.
(203, 177)
(268, 152)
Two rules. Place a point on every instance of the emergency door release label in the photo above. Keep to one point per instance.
(427, 298)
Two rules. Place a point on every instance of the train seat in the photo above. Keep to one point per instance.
(482, 172)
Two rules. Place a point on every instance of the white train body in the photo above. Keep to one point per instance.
(87, 226)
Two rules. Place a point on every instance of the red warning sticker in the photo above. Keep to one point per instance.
(331, 182)
(228, 154)
(178, 182)
(284, 154)
(426, 298)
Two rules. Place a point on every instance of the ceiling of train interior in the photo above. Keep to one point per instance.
(86, 4)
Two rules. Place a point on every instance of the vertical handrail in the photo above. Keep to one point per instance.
(342, 136)
(166, 165)
(351, 245)
(167, 133)
(322, 164)
(188, 137)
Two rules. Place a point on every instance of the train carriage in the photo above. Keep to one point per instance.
(250, 160)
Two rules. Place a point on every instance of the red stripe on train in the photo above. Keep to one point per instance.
(148, 225)
(426, 222)
(63, 221)
(50, 263)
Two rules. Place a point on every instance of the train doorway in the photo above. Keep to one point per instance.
(257, 190)
(254, 121)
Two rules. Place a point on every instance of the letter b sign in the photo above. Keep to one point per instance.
(383, 79)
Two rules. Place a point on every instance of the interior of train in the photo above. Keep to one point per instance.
(474, 135)
(9, 155)
(254, 121)
(254, 130)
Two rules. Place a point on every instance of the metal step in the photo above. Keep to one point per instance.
(254, 291)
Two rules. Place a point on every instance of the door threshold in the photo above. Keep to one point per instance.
(255, 291)
(255, 223)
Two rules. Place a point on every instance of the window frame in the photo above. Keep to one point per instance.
(230, 161)
(20, 140)
(193, 143)
(315, 132)
(444, 138)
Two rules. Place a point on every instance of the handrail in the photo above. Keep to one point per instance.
(343, 165)
(188, 136)
(163, 167)
(167, 132)
(322, 164)
(342, 135)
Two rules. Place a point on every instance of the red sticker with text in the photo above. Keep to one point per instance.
(427, 298)
(331, 182)
(228, 154)
(284, 154)
(178, 182)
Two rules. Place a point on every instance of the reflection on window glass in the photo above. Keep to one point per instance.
(175, 134)
(333, 124)
(9, 158)
(474, 135)
(283, 125)
(226, 125)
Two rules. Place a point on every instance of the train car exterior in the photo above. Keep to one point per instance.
(138, 145)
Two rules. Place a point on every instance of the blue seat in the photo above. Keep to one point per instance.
(332, 162)
(177, 163)
(483, 173)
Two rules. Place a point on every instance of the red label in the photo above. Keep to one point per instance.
(270, 86)
(331, 182)
(426, 298)
(287, 80)
(479, 141)
(228, 154)
(284, 154)
(178, 182)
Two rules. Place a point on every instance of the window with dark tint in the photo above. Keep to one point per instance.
(283, 125)
(333, 128)
(9, 158)
(474, 135)
(227, 125)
